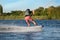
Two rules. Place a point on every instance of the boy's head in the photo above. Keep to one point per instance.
(28, 9)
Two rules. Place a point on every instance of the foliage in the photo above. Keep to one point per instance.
(40, 13)
(1, 10)
(17, 13)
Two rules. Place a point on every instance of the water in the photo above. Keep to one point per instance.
(51, 30)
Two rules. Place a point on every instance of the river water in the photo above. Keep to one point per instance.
(50, 31)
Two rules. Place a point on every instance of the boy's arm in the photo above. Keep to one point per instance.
(33, 12)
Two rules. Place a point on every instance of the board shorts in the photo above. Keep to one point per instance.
(28, 18)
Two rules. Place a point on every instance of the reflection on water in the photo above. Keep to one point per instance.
(51, 30)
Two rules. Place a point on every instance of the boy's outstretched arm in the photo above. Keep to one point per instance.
(33, 12)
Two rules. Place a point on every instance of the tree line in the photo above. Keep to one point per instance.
(51, 12)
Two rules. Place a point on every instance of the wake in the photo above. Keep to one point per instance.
(11, 28)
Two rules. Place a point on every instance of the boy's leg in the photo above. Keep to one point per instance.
(27, 21)
(34, 23)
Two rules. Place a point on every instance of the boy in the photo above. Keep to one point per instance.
(28, 18)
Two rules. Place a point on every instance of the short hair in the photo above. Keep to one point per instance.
(27, 9)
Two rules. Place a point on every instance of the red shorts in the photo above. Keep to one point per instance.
(28, 18)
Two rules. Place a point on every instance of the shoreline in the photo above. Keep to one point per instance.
(22, 18)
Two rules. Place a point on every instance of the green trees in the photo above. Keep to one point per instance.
(57, 11)
(41, 12)
(17, 13)
(13, 13)
(1, 10)
(51, 12)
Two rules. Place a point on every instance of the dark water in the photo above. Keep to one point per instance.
(51, 30)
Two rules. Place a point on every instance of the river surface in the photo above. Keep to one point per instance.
(50, 31)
